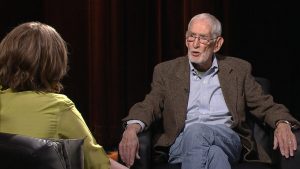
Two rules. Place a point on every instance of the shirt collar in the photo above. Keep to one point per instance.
(213, 69)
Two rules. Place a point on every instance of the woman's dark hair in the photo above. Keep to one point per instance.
(33, 56)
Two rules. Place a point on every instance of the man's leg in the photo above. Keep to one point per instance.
(228, 140)
(217, 159)
(193, 148)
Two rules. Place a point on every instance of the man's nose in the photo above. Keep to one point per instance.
(196, 43)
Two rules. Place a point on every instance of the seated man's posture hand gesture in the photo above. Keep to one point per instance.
(129, 145)
(285, 139)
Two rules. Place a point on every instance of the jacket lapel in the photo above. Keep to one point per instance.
(183, 84)
(229, 86)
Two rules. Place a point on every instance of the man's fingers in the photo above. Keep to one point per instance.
(123, 152)
(285, 139)
(294, 142)
(128, 147)
(275, 143)
(137, 156)
(132, 154)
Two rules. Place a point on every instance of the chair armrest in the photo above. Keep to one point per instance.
(145, 151)
(292, 162)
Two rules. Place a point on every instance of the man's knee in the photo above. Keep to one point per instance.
(199, 131)
(217, 152)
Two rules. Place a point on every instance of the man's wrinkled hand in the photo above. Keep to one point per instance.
(129, 145)
(285, 140)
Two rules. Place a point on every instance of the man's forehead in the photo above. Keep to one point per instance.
(200, 26)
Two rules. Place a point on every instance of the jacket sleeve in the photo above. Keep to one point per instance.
(150, 108)
(72, 125)
(262, 105)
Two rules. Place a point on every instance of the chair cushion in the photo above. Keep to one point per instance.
(245, 165)
(167, 166)
(18, 151)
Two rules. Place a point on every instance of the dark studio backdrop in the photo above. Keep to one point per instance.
(114, 45)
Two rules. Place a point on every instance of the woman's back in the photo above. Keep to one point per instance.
(48, 115)
(34, 114)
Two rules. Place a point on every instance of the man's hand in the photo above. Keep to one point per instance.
(129, 145)
(285, 139)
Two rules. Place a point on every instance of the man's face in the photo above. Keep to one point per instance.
(200, 43)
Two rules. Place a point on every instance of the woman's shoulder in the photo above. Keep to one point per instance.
(44, 99)
(60, 98)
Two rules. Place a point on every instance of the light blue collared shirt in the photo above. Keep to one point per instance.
(206, 101)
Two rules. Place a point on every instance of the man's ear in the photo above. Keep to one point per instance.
(218, 44)
(186, 43)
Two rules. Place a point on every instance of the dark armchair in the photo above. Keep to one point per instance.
(262, 134)
(18, 151)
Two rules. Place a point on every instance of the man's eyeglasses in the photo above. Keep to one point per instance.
(191, 37)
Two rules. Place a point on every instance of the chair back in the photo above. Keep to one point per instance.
(19, 151)
(262, 133)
